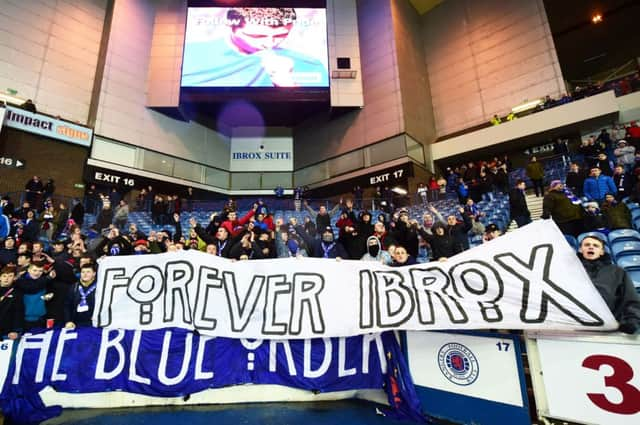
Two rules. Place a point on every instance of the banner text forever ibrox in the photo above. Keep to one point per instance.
(505, 284)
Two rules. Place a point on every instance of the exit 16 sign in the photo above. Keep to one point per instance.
(11, 162)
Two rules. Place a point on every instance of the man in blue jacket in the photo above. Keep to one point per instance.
(597, 185)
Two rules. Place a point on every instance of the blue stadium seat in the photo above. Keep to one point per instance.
(598, 235)
(625, 249)
(572, 241)
(633, 206)
(634, 274)
(635, 213)
(629, 262)
(624, 235)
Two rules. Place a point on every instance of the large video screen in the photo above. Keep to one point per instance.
(255, 47)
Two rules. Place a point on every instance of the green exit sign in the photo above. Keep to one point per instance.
(79, 185)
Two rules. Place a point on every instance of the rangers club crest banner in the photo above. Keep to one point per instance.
(527, 279)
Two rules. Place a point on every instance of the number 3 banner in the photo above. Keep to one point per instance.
(594, 380)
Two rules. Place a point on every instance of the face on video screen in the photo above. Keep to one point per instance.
(255, 47)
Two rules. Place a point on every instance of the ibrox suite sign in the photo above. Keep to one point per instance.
(48, 126)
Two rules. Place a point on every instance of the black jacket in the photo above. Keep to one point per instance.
(575, 182)
(518, 203)
(316, 247)
(71, 313)
(454, 240)
(441, 246)
(8, 256)
(617, 290)
(77, 214)
(407, 236)
(8, 312)
(355, 245)
(224, 247)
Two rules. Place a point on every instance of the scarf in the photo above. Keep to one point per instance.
(327, 248)
(573, 198)
(83, 306)
(220, 248)
(292, 244)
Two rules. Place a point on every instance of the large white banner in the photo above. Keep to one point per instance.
(591, 381)
(527, 279)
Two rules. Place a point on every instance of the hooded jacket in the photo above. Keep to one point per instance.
(617, 290)
(382, 256)
(354, 243)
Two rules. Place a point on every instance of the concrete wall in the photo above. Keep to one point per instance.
(580, 111)
(38, 154)
(486, 56)
(48, 52)
(381, 117)
(342, 38)
(629, 107)
(122, 112)
(412, 70)
(165, 62)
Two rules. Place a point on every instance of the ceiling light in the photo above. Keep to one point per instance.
(597, 18)
(11, 99)
(399, 191)
(526, 106)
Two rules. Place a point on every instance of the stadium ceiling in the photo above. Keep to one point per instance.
(585, 49)
(423, 6)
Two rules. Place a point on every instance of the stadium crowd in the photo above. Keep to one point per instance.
(48, 264)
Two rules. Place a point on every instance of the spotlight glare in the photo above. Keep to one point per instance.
(597, 18)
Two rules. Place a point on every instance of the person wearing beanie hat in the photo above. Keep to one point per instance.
(491, 232)
(613, 284)
(325, 247)
(594, 220)
(141, 246)
(554, 184)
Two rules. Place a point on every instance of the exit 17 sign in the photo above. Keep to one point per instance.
(11, 162)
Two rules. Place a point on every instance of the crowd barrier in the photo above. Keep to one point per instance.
(469, 377)
(586, 379)
(200, 329)
(463, 377)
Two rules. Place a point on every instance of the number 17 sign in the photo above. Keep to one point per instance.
(592, 381)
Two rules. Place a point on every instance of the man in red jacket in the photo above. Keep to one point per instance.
(234, 225)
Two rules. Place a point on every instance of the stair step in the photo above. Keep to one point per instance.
(534, 203)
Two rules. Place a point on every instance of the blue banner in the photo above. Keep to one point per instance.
(174, 362)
